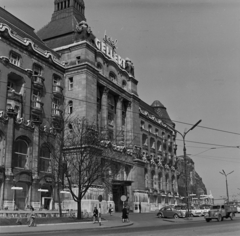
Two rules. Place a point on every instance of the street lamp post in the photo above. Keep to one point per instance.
(224, 173)
(185, 156)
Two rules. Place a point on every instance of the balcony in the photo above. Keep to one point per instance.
(57, 114)
(12, 95)
(38, 81)
(37, 106)
(57, 90)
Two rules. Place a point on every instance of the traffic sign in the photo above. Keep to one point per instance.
(123, 198)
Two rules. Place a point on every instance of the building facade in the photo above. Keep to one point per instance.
(81, 75)
(31, 87)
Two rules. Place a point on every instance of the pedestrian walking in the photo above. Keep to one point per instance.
(32, 218)
(124, 214)
(95, 215)
(110, 210)
(140, 207)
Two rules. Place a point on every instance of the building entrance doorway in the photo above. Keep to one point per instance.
(119, 188)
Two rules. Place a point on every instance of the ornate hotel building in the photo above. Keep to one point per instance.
(66, 65)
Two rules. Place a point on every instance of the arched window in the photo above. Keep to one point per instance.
(112, 77)
(150, 128)
(152, 178)
(124, 84)
(20, 153)
(166, 182)
(100, 67)
(70, 107)
(142, 124)
(152, 143)
(44, 162)
(159, 146)
(160, 181)
(144, 140)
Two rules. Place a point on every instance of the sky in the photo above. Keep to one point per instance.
(186, 54)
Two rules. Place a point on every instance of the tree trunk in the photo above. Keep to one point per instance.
(79, 210)
(59, 200)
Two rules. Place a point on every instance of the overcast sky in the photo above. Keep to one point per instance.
(186, 54)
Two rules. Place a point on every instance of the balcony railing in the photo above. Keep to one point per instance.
(38, 81)
(12, 95)
(37, 106)
(57, 90)
(57, 113)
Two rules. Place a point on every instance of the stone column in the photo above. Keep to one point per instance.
(9, 144)
(129, 128)
(119, 134)
(104, 109)
(36, 147)
(36, 195)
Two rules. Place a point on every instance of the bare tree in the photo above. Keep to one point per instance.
(85, 158)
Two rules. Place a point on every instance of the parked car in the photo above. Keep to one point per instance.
(169, 212)
(182, 209)
(196, 211)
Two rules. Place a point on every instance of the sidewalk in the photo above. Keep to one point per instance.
(114, 221)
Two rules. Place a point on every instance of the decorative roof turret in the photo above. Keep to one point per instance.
(61, 29)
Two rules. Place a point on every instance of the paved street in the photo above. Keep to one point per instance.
(140, 224)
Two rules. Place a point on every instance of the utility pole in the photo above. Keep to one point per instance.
(185, 157)
(224, 173)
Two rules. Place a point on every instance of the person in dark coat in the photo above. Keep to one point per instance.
(95, 215)
(124, 214)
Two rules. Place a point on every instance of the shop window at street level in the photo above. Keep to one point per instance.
(15, 58)
(20, 153)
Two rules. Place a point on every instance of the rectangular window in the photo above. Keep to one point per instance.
(78, 59)
(70, 83)
(55, 107)
(15, 58)
(37, 70)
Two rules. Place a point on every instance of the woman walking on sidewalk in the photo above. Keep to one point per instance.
(32, 217)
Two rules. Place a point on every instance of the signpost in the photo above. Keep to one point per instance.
(123, 199)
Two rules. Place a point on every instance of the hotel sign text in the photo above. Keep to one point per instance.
(109, 52)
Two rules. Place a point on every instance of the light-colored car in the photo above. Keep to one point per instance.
(196, 211)
(169, 212)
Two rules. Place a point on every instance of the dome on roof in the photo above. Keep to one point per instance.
(157, 103)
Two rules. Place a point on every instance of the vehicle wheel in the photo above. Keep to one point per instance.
(219, 218)
(191, 215)
(222, 219)
(160, 215)
(208, 220)
(175, 216)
